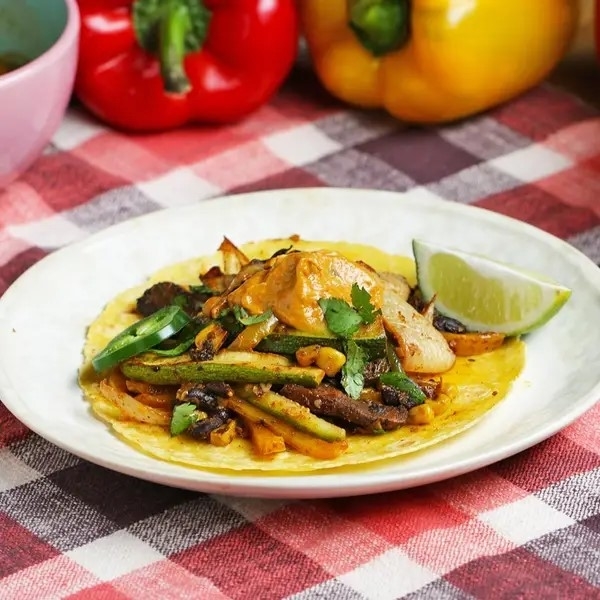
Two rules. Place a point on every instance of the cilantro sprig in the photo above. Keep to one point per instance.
(353, 378)
(361, 301)
(344, 320)
(184, 415)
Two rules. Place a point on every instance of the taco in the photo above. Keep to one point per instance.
(288, 356)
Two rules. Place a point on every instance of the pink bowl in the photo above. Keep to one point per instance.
(33, 100)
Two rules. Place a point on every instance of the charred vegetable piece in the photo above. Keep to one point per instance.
(371, 338)
(374, 369)
(202, 428)
(233, 258)
(296, 415)
(298, 440)
(392, 396)
(131, 408)
(224, 435)
(403, 383)
(447, 324)
(158, 296)
(421, 347)
(393, 359)
(229, 322)
(396, 387)
(215, 280)
(431, 386)
(166, 293)
(215, 306)
(283, 251)
(252, 334)
(204, 395)
(159, 370)
(264, 441)
(208, 341)
(471, 344)
(196, 394)
(141, 336)
(325, 357)
(329, 401)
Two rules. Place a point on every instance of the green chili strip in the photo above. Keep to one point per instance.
(141, 336)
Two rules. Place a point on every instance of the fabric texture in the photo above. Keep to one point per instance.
(527, 527)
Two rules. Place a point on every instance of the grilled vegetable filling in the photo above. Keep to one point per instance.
(295, 352)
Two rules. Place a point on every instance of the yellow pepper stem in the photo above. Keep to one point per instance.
(381, 25)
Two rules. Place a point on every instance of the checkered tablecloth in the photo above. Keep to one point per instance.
(527, 527)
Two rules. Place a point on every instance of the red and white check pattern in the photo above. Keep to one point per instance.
(527, 527)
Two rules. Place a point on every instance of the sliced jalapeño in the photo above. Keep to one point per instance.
(141, 336)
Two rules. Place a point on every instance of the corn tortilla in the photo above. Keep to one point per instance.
(475, 384)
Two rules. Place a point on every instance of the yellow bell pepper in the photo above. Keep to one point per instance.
(430, 61)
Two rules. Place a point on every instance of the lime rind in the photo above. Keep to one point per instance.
(486, 295)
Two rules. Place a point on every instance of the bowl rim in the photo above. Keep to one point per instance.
(66, 38)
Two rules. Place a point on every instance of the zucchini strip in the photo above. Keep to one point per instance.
(252, 369)
(298, 440)
(295, 414)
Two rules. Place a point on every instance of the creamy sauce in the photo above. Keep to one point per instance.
(295, 283)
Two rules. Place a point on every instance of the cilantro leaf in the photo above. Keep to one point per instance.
(404, 383)
(241, 314)
(342, 320)
(183, 416)
(361, 300)
(353, 378)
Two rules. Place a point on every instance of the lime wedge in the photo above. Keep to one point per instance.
(483, 294)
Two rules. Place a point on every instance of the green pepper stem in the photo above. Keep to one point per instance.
(173, 28)
(382, 26)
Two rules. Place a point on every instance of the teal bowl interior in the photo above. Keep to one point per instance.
(28, 28)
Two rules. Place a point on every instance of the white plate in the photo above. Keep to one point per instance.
(43, 318)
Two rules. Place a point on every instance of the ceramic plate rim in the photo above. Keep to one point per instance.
(314, 485)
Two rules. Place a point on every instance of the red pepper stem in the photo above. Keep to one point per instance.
(175, 23)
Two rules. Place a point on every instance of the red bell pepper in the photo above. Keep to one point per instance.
(150, 65)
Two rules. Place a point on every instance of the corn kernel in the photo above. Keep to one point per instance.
(330, 360)
(437, 406)
(421, 415)
(307, 355)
